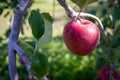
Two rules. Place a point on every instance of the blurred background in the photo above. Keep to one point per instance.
(63, 65)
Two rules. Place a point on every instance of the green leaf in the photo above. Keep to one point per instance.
(88, 2)
(115, 42)
(8, 32)
(117, 29)
(1, 10)
(39, 65)
(47, 16)
(47, 37)
(83, 3)
(115, 15)
(116, 51)
(37, 24)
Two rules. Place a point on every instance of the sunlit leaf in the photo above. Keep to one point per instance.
(47, 16)
(47, 37)
(88, 2)
(82, 3)
(37, 24)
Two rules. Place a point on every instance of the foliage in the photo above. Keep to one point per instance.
(110, 18)
(83, 3)
(7, 4)
(39, 64)
(47, 36)
(37, 24)
(62, 64)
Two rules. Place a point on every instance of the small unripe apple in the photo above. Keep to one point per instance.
(81, 36)
(108, 73)
(21, 61)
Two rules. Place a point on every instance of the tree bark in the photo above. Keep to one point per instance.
(13, 40)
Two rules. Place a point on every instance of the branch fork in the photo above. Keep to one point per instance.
(13, 47)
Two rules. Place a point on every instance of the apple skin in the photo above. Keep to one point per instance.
(21, 61)
(81, 36)
(105, 72)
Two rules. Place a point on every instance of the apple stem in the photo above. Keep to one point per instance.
(78, 17)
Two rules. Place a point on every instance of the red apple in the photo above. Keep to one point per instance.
(81, 36)
(21, 61)
(108, 73)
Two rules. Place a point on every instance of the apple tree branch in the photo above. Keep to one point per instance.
(13, 47)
